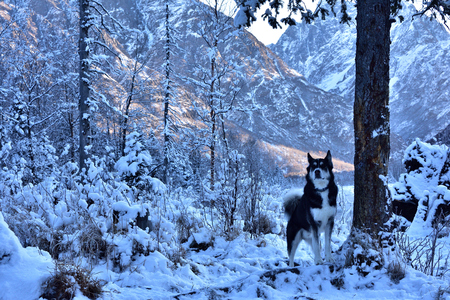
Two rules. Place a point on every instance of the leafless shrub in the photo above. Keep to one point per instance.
(258, 223)
(184, 227)
(92, 243)
(345, 213)
(429, 254)
(443, 293)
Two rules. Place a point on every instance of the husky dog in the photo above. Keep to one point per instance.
(311, 211)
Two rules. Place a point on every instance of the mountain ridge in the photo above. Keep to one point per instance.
(324, 53)
(275, 86)
(292, 114)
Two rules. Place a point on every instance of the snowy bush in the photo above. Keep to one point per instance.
(421, 194)
(135, 166)
(98, 215)
(186, 212)
(262, 211)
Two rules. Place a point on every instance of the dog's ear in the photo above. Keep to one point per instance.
(330, 160)
(310, 159)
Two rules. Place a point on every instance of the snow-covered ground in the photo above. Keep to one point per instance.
(243, 268)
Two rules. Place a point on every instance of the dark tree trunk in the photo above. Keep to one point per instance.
(167, 98)
(213, 122)
(371, 116)
(212, 148)
(126, 117)
(83, 52)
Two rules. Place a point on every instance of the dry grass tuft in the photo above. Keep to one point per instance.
(67, 279)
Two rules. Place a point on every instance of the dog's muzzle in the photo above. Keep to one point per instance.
(317, 174)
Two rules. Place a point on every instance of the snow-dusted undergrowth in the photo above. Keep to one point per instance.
(172, 244)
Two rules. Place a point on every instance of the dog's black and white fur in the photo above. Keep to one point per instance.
(312, 211)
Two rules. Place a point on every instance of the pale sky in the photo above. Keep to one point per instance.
(264, 32)
(260, 29)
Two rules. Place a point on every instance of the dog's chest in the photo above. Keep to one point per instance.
(322, 215)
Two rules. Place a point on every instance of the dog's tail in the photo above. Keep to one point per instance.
(290, 201)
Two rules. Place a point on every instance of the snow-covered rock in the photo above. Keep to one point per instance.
(22, 270)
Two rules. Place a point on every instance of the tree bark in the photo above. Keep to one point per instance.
(83, 104)
(213, 116)
(126, 117)
(371, 116)
(167, 98)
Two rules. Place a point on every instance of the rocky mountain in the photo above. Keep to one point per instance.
(295, 116)
(293, 113)
(324, 53)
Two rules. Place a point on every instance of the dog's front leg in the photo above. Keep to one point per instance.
(328, 231)
(316, 247)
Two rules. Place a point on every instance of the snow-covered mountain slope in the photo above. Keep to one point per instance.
(296, 116)
(324, 53)
(296, 113)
